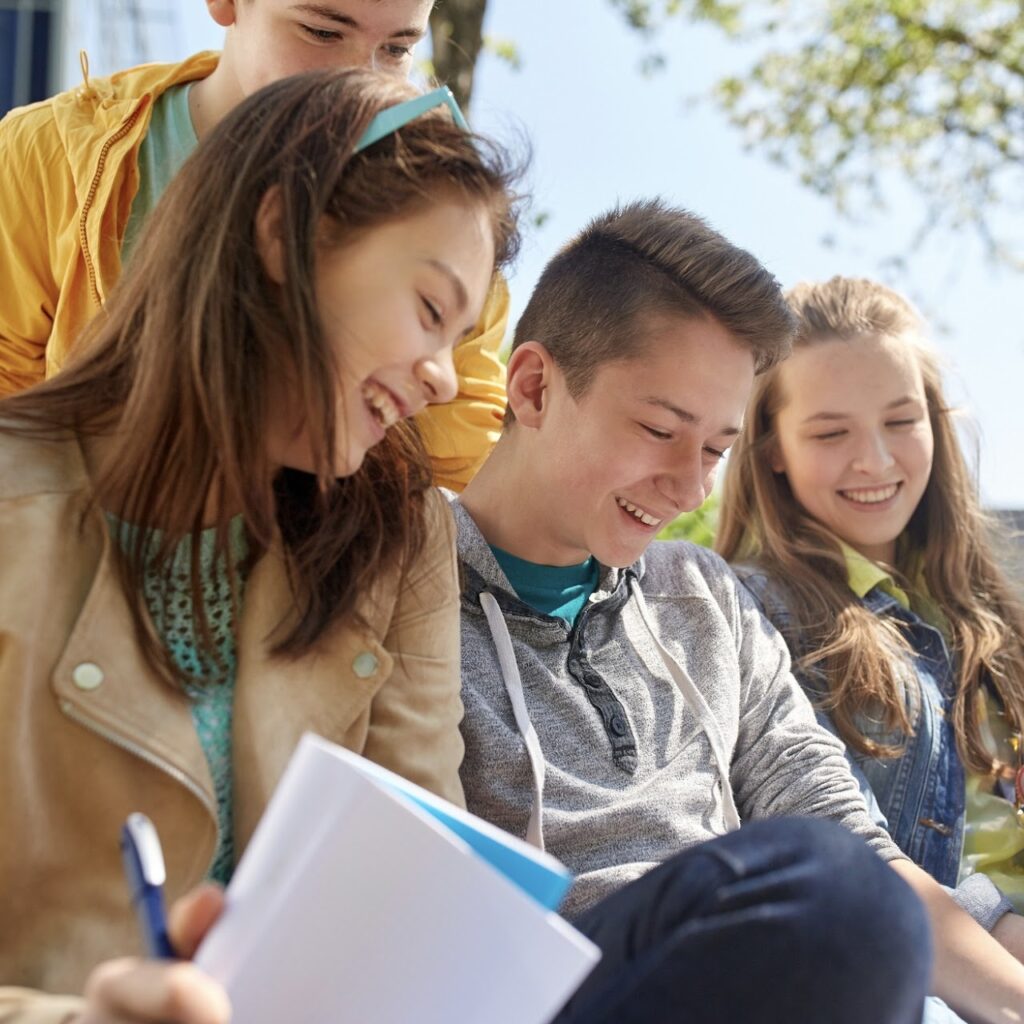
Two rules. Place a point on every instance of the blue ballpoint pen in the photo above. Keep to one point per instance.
(144, 869)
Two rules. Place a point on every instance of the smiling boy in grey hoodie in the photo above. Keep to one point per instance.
(626, 705)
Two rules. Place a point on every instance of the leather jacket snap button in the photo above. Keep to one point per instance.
(87, 676)
(364, 665)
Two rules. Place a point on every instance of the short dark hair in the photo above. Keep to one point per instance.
(641, 260)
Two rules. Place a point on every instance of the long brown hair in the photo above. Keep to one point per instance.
(178, 370)
(862, 656)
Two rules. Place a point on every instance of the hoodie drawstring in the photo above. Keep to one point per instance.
(696, 700)
(514, 688)
(85, 90)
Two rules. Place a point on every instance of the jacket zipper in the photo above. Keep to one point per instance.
(157, 762)
(91, 196)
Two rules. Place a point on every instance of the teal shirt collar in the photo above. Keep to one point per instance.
(561, 591)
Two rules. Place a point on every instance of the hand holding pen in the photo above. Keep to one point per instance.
(173, 990)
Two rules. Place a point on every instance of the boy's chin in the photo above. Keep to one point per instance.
(618, 556)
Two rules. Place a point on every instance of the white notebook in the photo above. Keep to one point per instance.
(360, 901)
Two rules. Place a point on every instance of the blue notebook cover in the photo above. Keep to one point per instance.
(541, 881)
(535, 872)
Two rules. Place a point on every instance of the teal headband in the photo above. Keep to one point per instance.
(392, 118)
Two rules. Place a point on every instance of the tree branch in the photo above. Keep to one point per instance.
(456, 32)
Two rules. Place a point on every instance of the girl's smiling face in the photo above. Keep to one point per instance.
(393, 303)
(854, 438)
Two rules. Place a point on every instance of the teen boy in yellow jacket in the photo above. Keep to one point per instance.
(71, 172)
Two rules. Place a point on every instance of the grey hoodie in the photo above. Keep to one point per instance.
(608, 742)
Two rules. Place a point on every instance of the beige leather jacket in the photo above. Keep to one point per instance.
(89, 734)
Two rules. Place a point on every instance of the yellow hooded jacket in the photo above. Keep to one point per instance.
(70, 171)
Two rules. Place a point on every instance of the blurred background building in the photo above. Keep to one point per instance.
(40, 41)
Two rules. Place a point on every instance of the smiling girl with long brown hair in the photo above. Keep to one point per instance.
(850, 505)
(216, 527)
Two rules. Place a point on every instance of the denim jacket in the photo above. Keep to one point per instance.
(919, 795)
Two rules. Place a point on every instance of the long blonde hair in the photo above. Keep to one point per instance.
(862, 656)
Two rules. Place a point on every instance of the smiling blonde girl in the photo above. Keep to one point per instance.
(851, 509)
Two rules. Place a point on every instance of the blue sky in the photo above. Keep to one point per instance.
(600, 132)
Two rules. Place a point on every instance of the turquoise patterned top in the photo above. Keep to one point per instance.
(212, 686)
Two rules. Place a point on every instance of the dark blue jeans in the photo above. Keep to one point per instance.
(789, 920)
